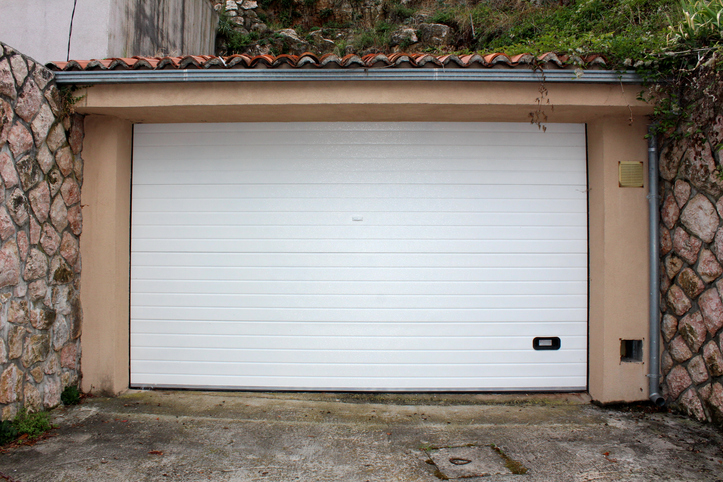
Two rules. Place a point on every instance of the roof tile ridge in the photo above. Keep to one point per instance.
(371, 59)
(522, 59)
(215, 62)
(449, 58)
(189, 61)
(309, 55)
(307, 58)
(236, 59)
(474, 58)
(173, 62)
(266, 59)
(399, 57)
(99, 64)
(596, 59)
(498, 58)
(422, 59)
(550, 57)
(76, 65)
(329, 58)
(121, 63)
(145, 64)
(290, 59)
(349, 59)
(56, 65)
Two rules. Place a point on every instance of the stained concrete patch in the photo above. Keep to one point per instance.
(187, 436)
(468, 461)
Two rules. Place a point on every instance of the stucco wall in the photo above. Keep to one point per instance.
(618, 216)
(41, 173)
(161, 27)
(109, 28)
(691, 284)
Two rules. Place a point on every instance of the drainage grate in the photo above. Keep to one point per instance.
(472, 461)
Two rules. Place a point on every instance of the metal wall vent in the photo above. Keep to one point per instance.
(630, 174)
(631, 351)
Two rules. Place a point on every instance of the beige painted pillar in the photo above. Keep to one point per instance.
(618, 260)
(104, 243)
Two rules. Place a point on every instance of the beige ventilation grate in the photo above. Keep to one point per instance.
(630, 174)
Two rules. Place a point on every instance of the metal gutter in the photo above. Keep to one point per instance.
(350, 74)
(654, 250)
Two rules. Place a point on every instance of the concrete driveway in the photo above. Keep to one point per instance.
(228, 436)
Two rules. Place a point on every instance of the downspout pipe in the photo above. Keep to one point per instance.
(654, 212)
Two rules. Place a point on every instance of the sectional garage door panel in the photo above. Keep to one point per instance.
(359, 256)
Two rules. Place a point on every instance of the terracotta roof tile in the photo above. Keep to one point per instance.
(310, 60)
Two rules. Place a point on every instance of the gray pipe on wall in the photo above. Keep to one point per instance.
(654, 203)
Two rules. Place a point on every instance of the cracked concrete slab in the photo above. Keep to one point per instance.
(468, 461)
(231, 436)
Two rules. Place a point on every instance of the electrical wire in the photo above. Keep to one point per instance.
(70, 32)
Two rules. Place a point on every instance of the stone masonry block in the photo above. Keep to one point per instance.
(693, 330)
(712, 308)
(677, 381)
(20, 68)
(713, 359)
(669, 326)
(19, 139)
(669, 212)
(697, 370)
(7, 228)
(39, 199)
(701, 218)
(691, 284)
(7, 171)
(678, 350)
(666, 242)
(9, 264)
(11, 383)
(70, 191)
(699, 168)
(681, 190)
(692, 405)
(686, 246)
(708, 266)
(673, 265)
(715, 402)
(29, 101)
(7, 83)
(678, 302)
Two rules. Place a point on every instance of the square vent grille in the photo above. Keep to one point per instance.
(630, 174)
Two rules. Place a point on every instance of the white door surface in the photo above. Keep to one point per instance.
(359, 256)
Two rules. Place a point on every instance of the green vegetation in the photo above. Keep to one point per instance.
(687, 75)
(512, 465)
(702, 23)
(8, 432)
(377, 38)
(70, 396)
(675, 47)
(25, 423)
(620, 29)
(234, 41)
(395, 12)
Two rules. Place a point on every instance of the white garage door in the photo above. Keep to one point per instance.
(359, 256)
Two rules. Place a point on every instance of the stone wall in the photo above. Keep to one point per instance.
(108, 28)
(351, 20)
(691, 258)
(41, 172)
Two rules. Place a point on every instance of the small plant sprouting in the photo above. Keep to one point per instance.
(70, 396)
(31, 424)
(8, 432)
